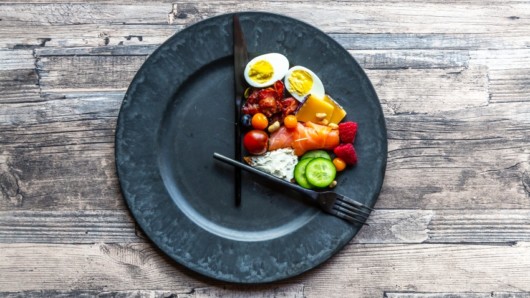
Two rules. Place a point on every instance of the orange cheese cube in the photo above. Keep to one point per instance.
(338, 112)
(313, 106)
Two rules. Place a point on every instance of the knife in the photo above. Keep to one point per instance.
(240, 61)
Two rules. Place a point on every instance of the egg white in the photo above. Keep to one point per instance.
(279, 63)
(317, 90)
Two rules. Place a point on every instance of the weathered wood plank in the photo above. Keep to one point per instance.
(77, 178)
(18, 78)
(387, 226)
(99, 1)
(508, 75)
(96, 266)
(63, 177)
(459, 295)
(446, 226)
(431, 41)
(502, 59)
(92, 35)
(509, 85)
(291, 291)
(109, 50)
(19, 86)
(50, 14)
(16, 59)
(432, 91)
(402, 59)
(66, 107)
(360, 270)
(476, 157)
(370, 17)
(84, 72)
(59, 152)
(196, 1)
(91, 294)
(376, 17)
(71, 227)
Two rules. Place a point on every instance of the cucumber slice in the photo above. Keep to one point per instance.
(320, 172)
(299, 173)
(315, 154)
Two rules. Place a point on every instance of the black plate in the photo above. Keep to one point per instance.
(178, 111)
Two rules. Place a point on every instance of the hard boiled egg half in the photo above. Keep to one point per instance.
(301, 82)
(266, 69)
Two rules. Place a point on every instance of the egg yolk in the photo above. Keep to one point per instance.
(300, 82)
(261, 72)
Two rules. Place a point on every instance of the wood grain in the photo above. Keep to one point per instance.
(452, 219)
(364, 17)
(386, 227)
(459, 295)
(294, 291)
(359, 271)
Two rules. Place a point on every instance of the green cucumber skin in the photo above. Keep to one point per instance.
(314, 166)
(315, 154)
(299, 173)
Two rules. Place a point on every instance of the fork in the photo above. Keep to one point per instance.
(329, 201)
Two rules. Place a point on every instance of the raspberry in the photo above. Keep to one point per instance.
(347, 153)
(347, 131)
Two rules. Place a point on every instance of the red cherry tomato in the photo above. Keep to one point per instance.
(256, 142)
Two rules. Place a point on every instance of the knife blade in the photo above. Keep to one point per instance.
(240, 61)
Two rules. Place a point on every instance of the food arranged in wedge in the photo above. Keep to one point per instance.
(293, 129)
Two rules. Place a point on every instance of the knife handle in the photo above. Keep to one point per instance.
(237, 174)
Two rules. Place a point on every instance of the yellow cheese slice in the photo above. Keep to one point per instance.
(309, 109)
(338, 112)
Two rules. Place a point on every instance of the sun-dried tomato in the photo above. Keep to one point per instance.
(269, 106)
(289, 106)
(250, 108)
(270, 102)
(279, 87)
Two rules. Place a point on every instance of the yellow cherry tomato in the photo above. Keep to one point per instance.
(339, 163)
(260, 121)
(290, 121)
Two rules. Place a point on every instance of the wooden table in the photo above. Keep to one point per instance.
(453, 218)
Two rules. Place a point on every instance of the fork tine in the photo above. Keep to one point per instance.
(352, 211)
(348, 217)
(352, 202)
(351, 208)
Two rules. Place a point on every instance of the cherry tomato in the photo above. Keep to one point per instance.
(290, 121)
(339, 163)
(256, 142)
(260, 121)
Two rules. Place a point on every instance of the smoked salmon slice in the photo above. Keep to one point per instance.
(305, 137)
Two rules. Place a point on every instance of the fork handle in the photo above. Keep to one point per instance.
(309, 193)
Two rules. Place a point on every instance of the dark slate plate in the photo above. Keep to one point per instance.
(178, 111)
